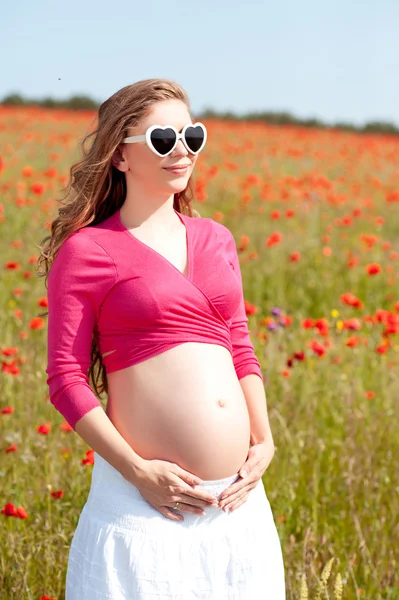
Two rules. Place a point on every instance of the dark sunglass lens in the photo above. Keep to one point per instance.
(194, 137)
(163, 140)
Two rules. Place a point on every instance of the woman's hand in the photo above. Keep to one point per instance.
(163, 483)
(259, 458)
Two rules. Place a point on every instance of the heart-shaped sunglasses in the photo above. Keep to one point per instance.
(163, 140)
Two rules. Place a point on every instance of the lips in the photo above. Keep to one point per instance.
(177, 169)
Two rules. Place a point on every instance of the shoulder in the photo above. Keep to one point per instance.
(82, 253)
(220, 228)
(207, 224)
(222, 233)
(218, 233)
(80, 245)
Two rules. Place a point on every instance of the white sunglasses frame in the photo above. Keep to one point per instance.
(179, 136)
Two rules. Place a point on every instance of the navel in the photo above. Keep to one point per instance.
(221, 401)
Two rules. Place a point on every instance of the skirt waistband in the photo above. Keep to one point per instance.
(115, 500)
(104, 471)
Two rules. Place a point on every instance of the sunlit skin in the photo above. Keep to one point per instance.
(333, 405)
(159, 418)
(150, 188)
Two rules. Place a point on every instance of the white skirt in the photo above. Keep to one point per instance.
(125, 549)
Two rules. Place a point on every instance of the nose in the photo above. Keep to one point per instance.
(180, 149)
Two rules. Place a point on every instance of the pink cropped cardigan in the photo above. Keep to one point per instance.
(105, 282)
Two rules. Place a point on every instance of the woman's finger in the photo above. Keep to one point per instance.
(170, 514)
(238, 503)
(227, 501)
(189, 508)
(240, 485)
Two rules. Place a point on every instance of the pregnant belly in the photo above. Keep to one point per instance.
(185, 406)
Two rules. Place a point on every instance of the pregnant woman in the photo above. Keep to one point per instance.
(146, 298)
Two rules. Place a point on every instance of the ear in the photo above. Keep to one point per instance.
(118, 160)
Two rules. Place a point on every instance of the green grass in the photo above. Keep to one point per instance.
(333, 483)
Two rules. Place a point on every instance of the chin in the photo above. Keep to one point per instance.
(179, 186)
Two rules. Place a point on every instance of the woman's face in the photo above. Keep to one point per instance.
(147, 168)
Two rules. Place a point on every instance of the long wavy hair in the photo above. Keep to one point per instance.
(96, 188)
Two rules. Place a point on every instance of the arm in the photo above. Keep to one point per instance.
(245, 361)
(244, 357)
(99, 433)
(255, 398)
(79, 278)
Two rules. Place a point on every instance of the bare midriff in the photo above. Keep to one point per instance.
(185, 406)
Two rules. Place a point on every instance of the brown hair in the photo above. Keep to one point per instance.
(96, 188)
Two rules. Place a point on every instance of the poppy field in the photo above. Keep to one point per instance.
(315, 215)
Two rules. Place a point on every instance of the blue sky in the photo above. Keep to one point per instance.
(335, 61)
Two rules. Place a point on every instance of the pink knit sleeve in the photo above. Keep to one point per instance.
(244, 357)
(79, 278)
